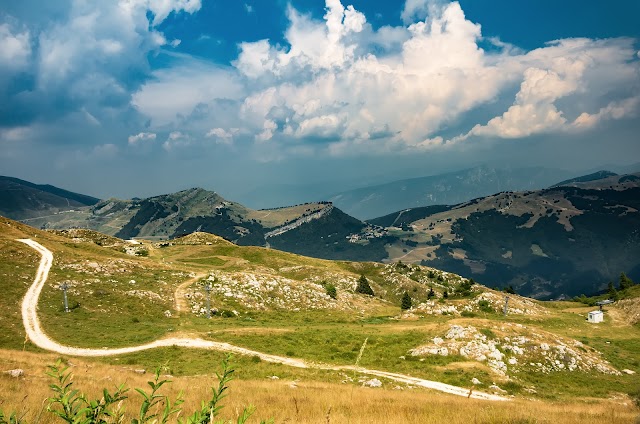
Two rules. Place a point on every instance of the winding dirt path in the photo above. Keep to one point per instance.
(180, 295)
(40, 339)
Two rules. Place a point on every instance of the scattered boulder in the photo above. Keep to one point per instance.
(374, 382)
(497, 389)
(15, 373)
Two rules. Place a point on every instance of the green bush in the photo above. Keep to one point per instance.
(485, 306)
(464, 288)
(331, 290)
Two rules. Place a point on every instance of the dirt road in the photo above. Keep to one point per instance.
(40, 339)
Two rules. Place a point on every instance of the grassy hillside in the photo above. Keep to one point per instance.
(275, 302)
(586, 178)
(21, 199)
(561, 241)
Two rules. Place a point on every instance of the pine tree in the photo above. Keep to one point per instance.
(363, 286)
(431, 293)
(407, 302)
(445, 294)
(625, 282)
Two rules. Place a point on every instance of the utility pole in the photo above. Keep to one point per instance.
(506, 301)
(207, 288)
(64, 287)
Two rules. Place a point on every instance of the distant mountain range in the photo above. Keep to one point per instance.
(21, 199)
(444, 189)
(586, 178)
(564, 240)
(560, 241)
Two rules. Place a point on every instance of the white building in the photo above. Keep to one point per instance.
(595, 317)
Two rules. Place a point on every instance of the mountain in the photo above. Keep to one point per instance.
(557, 242)
(316, 229)
(21, 199)
(445, 189)
(586, 178)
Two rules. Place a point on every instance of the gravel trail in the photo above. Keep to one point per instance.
(40, 339)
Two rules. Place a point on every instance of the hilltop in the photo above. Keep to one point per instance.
(21, 199)
(315, 229)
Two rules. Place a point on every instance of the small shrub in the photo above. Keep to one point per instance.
(331, 290)
(485, 306)
(487, 332)
(464, 288)
(467, 314)
(509, 289)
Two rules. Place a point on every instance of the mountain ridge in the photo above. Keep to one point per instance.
(22, 199)
(560, 241)
(449, 188)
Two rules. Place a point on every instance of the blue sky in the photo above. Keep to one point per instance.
(140, 97)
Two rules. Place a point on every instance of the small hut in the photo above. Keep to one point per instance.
(595, 317)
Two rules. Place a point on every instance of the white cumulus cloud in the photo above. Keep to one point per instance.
(16, 47)
(141, 137)
(339, 86)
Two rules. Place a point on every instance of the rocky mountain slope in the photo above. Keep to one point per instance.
(564, 240)
(315, 229)
(21, 199)
(444, 189)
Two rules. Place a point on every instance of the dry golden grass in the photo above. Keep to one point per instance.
(277, 217)
(299, 402)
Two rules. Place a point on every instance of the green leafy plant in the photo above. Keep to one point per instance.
(73, 407)
(11, 419)
(152, 400)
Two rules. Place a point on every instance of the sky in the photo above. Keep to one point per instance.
(132, 98)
